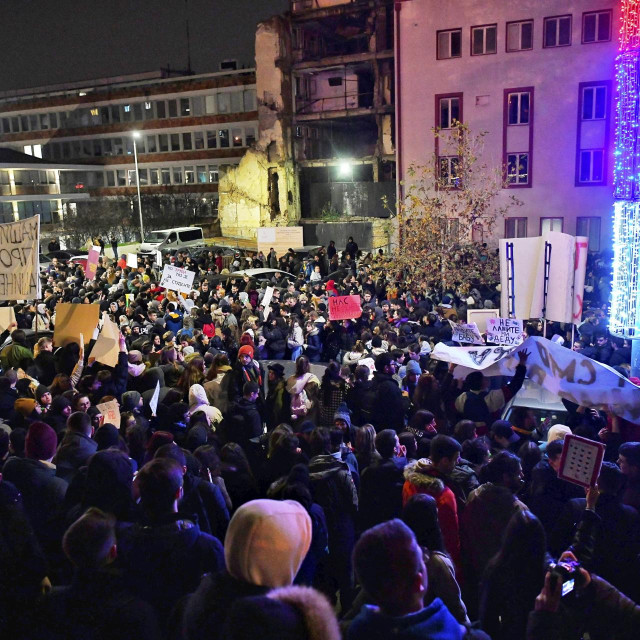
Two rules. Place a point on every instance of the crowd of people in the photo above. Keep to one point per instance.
(242, 496)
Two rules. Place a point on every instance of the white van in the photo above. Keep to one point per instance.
(169, 239)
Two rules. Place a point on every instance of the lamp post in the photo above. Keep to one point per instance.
(135, 135)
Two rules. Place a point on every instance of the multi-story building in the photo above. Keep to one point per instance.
(538, 77)
(325, 149)
(186, 130)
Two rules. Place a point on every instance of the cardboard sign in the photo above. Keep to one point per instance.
(467, 333)
(73, 320)
(107, 346)
(92, 263)
(506, 331)
(480, 317)
(19, 260)
(177, 279)
(111, 412)
(280, 238)
(344, 307)
(581, 460)
(132, 260)
(7, 317)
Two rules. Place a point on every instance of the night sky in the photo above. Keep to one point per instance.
(54, 41)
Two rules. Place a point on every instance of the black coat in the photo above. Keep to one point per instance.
(381, 492)
(389, 406)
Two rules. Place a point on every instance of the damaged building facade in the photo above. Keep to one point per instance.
(325, 152)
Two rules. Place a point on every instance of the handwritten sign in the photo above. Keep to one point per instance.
(107, 346)
(110, 412)
(506, 331)
(467, 333)
(581, 460)
(19, 259)
(177, 279)
(344, 307)
(92, 263)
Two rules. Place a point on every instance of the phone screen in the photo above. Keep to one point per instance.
(567, 587)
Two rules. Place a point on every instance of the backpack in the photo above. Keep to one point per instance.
(368, 402)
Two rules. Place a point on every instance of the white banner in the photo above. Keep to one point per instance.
(19, 260)
(559, 370)
(132, 260)
(504, 331)
(468, 333)
(177, 279)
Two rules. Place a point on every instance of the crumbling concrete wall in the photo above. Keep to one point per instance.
(263, 189)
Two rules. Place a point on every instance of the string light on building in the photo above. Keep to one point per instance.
(625, 295)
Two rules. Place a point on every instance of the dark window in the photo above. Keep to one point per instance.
(557, 31)
(449, 44)
(484, 40)
(596, 26)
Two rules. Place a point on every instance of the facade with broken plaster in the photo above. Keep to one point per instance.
(188, 130)
(325, 152)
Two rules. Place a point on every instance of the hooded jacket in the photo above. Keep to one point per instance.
(73, 453)
(198, 401)
(175, 552)
(418, 480)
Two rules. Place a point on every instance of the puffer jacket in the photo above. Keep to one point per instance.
(418, 480)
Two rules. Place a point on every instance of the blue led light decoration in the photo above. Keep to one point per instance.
(625, 296)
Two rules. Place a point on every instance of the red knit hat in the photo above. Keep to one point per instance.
(41, 441)
(245, 350)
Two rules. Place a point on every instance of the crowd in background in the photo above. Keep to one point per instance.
(300, 477)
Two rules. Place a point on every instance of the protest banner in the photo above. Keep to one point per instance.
(480, 317)
(110, 413)
(566, 373)
(74, 320)
(177, 279)
(19, 259)
(7, 317)
(280, 238)
(581, 460)
(344, 307)
(467, 333)
(505, 331)
(92, 263)
(107, 346)
(132, 260)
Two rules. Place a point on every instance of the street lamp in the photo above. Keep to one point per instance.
(135, 135)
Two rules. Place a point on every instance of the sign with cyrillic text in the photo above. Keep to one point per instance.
(467, 333)
(19, 260)
(110, 412)
(177, 279)
(507, 331)
(344, 307)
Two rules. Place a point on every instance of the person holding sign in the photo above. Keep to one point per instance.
(482, 406)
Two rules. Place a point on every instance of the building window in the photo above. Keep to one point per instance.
(557, 31)
(518, 168)
(211, 139)
(177, 175)
(175, 141)
(173, 108)
(515, 228)
(161, 109)
(551, 224)
(201, 173)
(186, 141)
(518, 105)
(189, 175)
(166, 176)
(155, 178)
(520, 35)
(223, 135)
(214, 173)
(249, 135)
(449, 171)
(591, 165)
(151, 144)
(590, 228)
(185, 110)
(198, 138)
(236, 135)
(449, 44)
(596, 26)
(449, 111)
(484, 39)
(594, 102)
(163, 142)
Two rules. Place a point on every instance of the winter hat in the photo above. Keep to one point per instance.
(40, 391)
(343, 413)
(277, 368)
(413, 367)
(266, 542)
(25, 406)
(502, 429)
(135, 357)
(290, 613)
(42, 308)
(245, 350)
(106, 436)
(130, 400)
(41, 441)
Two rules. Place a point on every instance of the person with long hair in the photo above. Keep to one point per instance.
(513, 578)
(217, 381)
(365, 446)
(303, 387)
(238, 477)
(333, 392)
(428, 396)
(193, 374)
(420, 514)
(171, 363)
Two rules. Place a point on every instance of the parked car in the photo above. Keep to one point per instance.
(177, 238)
(64, 255)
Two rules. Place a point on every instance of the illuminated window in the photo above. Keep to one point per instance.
(94, 112)
(518, 168)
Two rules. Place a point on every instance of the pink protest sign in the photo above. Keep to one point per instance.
(344, 307)
(92, 263)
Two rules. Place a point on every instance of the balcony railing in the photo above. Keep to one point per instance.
(336, 103)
